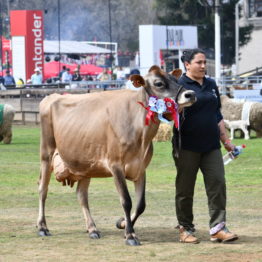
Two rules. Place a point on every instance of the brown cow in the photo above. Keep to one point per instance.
(102, 135)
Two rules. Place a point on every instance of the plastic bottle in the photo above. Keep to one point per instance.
(227, 158)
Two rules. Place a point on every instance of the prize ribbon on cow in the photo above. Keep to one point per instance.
(150, 114)
(172, 107)
(160, 106)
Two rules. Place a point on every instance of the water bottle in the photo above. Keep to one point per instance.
(227, 158)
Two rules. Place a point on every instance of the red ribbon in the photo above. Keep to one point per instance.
(150, 114)
(171, 107)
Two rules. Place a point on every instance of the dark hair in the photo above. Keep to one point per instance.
(189, 54)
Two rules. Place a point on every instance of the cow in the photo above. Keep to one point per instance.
(103, 134)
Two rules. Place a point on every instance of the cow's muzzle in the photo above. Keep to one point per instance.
(186, 98)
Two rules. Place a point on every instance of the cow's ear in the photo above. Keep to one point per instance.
(137, 80)
(176, 73)
(154, 68)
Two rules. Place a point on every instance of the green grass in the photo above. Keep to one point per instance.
(19, 172)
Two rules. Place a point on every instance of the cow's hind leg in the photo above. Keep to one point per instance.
(126, 202)
(82, 195)
(141, 203)
(44, 180)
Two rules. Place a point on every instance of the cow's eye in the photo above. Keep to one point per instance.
(159, 84)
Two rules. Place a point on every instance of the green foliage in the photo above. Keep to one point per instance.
(191, 12)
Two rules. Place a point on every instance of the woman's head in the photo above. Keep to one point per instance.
(195, 63)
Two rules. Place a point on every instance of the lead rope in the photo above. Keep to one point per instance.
(176, 140)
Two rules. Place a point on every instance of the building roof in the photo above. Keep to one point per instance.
(72, 47)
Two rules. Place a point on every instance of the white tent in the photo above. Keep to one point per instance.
(72, 47)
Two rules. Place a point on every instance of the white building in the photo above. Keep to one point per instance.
(163, 45)
(251, 54)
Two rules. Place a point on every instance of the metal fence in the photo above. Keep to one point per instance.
(244, 83)
(26, 98)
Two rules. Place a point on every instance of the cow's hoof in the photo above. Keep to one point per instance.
(133, 242)
(119, 223)
(94, 235)
(44, 233)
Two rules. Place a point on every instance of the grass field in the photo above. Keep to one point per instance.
(19, 171)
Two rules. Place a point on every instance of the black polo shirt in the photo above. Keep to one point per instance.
(199, 130)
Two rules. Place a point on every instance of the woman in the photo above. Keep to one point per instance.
(201, 132)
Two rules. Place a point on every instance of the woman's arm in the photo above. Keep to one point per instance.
(224, 137)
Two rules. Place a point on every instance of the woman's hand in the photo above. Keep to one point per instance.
(229, 146)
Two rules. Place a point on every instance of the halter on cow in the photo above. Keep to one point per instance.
(102, 135)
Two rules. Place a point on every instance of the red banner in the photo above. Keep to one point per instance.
(29, 24)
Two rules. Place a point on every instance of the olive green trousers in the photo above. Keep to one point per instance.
(212, 168)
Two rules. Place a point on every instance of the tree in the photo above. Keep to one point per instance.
(201, 14)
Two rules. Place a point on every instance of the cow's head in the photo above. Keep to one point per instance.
(160, 84)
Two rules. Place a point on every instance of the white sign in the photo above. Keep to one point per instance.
(18, 47)
(248, 95)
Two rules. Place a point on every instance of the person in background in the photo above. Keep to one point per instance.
(104, 76)
(129, 84)
(120, 73)
(8, 79)
(37, 78)
(66, 76)
(1, 80)
(20, 83)
(61, 72)
(76, 76)
(134, 71)
(201, 131)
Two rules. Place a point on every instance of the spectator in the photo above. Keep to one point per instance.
(20, 82)
(89, 78)
(61, 73)
(76, 76)
(120, 74)
(129, 84)
(2, 80)
(104, 76)
(8, 79)
(37, 78)
(66, 76)
(135, 71)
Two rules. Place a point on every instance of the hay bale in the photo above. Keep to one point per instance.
(164, 133)
(232, 110)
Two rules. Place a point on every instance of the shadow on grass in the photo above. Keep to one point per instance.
(171, 235)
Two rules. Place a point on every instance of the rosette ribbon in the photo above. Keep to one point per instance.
(172, 108)
(150, 114)
(160, 106)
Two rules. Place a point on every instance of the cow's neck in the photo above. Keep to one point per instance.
(150, 130)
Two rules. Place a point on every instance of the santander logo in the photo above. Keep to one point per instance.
(37, 41)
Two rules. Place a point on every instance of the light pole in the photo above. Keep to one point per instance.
(110, 36)
(59, 47)
(1, 35)
(237, 34)
(217, 40)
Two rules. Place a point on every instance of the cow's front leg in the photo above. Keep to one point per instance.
(141, 203)
(82, 195)
(126, 202)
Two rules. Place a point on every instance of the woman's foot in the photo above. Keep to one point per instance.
(224, 236)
